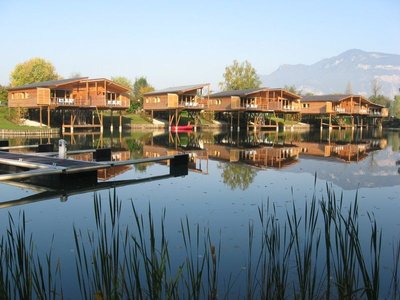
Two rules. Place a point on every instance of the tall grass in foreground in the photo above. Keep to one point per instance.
(314, 252)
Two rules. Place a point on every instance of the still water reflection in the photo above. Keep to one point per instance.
(230, 175)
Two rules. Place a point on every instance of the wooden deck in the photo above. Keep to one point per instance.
(57, 172)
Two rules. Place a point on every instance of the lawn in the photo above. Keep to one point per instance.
(5, 123)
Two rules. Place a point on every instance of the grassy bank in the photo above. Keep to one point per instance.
(7, 123)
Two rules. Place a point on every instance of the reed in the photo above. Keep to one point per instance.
(314, 252)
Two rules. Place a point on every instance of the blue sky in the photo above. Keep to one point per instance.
(184, 42)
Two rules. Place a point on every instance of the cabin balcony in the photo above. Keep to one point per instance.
(198, 104)
(266, 104)
(360, 110)
(99, 101)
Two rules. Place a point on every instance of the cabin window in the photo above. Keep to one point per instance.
(20, 95)
(306, 105)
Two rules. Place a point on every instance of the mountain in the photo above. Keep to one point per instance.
(333, 75)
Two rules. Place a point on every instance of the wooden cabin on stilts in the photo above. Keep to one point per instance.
(342, 111)
(256, 108)
(77, 102)
(170, 103)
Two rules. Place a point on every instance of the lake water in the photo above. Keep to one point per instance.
(230, 176)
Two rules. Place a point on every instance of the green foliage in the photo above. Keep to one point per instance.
(34, 70)
(3, 94)
(237, 175)
(381, 100)
(121, 80)
(140, 87)
(292, 89)
(240, 76)
(395, 107)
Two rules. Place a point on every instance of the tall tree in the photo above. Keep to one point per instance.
(375, 88)
(240, 76)
(140, 87)
(121, 80)
(395, 107)
(349, 89)
(3, 94)
(292, 89)
(34, 70)
(376, 96)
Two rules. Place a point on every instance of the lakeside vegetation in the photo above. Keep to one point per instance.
(318, 255)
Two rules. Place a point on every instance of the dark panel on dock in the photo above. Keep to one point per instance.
(4, 144)
(102, 154)
(45, 148)
(65, 181)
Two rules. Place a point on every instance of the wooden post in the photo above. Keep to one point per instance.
(238, 122)
(111, 121)
(72, 123)
(120, 121)
(63, 121)
(48, 116)
(101, 122)
(40, 116)
(231, 121)
(330, 121)
(321, 124)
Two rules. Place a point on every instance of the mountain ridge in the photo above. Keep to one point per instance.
(333, 75)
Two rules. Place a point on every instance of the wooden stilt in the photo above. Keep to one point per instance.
(72, 123)
(101, 122)
(48, 116)
(111, 121)
(40, 117)
(120, 121)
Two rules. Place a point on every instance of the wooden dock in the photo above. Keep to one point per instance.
(45, 170)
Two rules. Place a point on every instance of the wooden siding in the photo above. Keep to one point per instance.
(23, 98)
(316, 107)
(43, 96)
(95, 93)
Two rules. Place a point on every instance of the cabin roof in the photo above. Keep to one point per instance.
(319, 98)
(246, 92)
(337, 98)
(50, 83)
(238, 93)
(61, 82)
(177, 89)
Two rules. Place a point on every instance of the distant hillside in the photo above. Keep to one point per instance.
(332, 75)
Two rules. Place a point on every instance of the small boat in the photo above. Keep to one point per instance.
(182, 128)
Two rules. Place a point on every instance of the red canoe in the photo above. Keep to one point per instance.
(182, 128)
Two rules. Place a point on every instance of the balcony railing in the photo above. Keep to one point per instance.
(272, 106)
(94, 101)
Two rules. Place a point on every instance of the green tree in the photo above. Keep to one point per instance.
(34, 70)
(395, 107)
(3, 94)
(140, 87)
(121, 80)
(292, 89)
(240, 76)
(376, 96)
(237, 175)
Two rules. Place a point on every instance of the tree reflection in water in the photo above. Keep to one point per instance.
(237, 175)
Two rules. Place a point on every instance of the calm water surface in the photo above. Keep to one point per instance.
(230, 176)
